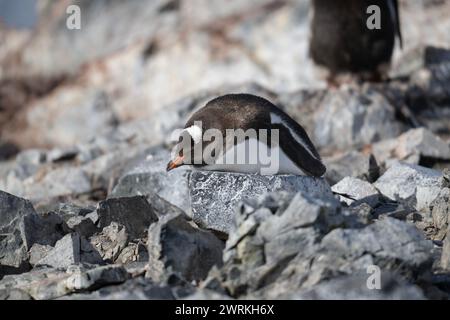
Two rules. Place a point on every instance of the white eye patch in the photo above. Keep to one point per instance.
(195, 132)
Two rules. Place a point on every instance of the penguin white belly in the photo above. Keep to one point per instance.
(266, 161)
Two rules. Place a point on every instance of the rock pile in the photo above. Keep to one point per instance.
(88, 211)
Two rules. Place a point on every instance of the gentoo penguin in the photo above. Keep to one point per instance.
(342, 42)
(276, 134)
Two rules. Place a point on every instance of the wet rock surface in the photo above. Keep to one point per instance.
(88, 211)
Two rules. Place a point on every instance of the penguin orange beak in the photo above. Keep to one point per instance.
(178, 161)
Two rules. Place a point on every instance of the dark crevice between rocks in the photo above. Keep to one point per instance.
(8, 150)
(9, 270)
(150, 49)
(431, 162)
(169, 6)
(274, 272)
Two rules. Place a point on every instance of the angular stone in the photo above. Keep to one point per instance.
(176, 244)
(50, 283)
(68, 210)
(14, 294)
(139, 288)
(94, 278)
(413, 146)
(65, 253)
(12, 208)
(440, 212)
(215, 210)
(134, 213)
(13, 254)
(354, 287)
(84, 226)
(412, 183)
(149, 176)
(134, 252)
(111, 241)
(274, 252)
(38, 252)
(20, 228)
(353, 117)
(445, 258)
(351, 164)
(359, 191)
(388, 240)
(44, 229)
(70, 250)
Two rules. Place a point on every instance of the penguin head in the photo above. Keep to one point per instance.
(189, 149)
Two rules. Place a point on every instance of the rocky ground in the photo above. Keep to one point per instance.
(87, 210)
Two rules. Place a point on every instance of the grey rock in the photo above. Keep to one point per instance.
(96, 277)
(417, 185)
(111, 241)
(269, 233)
(392, 245)
(12, 208)
(289, 245)
(134, 213)
(68, 210)
(13, 254)
(64, 154)
(413, 147)
(215, 210)
(351, 164)
(431, 82)
(388, 240)
(150, 176)
(62, 181)
(354, 117)
(44, 229)
(160, 206)
(66, 252)
(440, 211)
(133, 289)
(354, 287)
(38, 252)
(14, 294)
(71, 249)
(362, 214)
(206, 294)
(83, 115)
(20, 228)
(132, 253)
(418, 58)
(175, 244)
(359, 191)
(40, 283)
(105, 170)
(445, 258)
(84, 226)
(51, 283)
(29, 161)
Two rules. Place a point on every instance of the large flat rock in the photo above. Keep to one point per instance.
(215, 195)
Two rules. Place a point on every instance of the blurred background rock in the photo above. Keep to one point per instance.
(61, 87)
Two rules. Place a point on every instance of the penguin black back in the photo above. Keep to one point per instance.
(246, 111)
